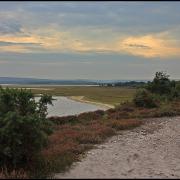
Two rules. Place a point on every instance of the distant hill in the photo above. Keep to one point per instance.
(21, 81)
(13, 80)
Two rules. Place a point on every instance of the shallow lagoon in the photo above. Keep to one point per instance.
(64, 106)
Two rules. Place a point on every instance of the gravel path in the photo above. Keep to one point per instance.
(149, 151)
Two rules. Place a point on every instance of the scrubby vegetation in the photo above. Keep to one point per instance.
(160, 90)
(24, 128)
(144, 98)
(26, 140)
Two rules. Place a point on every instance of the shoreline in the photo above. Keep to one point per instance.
(80, 99)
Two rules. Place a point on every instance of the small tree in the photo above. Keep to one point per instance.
(160, 89)
(24, 127)
(160, 84)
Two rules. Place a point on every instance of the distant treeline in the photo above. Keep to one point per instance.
(134, 84)
(125, 84)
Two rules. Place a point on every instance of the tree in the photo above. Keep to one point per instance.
(24, 128)
(160, 89)
(160, 84)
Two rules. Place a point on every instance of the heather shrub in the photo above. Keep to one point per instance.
(111, 110)
(119, 115)
(124, 124)
(166, 110)
(89, 116)
(95, 133)
(64, 119)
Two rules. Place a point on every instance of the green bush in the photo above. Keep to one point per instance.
(160, 90)
(24, 127)
(160, 84)
(144, 98)
(175, 92)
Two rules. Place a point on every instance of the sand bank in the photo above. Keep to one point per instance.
(81, 99)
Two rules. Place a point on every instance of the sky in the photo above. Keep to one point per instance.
(89, 40)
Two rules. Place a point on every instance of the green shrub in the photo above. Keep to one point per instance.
(144, 98)
(160, 84)
(175, 92)
(24, 127)
(160, 90)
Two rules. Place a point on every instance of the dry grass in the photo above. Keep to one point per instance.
(125, 124)
(107, 95)
(14, 174)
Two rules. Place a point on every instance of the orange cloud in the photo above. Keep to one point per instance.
(19, 39)
(14, 48)
(53, 40)
(149, 46)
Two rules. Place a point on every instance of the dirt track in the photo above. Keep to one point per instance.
(149, 151)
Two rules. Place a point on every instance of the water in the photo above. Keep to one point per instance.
(64, 106)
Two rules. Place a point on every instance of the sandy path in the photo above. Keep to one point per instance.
(149, 151)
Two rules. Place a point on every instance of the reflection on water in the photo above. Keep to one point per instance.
(64, 106)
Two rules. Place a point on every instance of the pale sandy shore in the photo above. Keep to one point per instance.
(149, 151)
(81, 99)
(45, 89)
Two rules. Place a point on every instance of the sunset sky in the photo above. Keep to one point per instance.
(89, 40)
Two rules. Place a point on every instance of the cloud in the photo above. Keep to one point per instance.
(14, 48)
(161, 45)
(10, 27)
(150, 46)
(138, 46)
(20, 44)
(3, 62)
(53, 39)
(5, 43)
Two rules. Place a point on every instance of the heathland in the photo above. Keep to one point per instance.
(68, 138)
